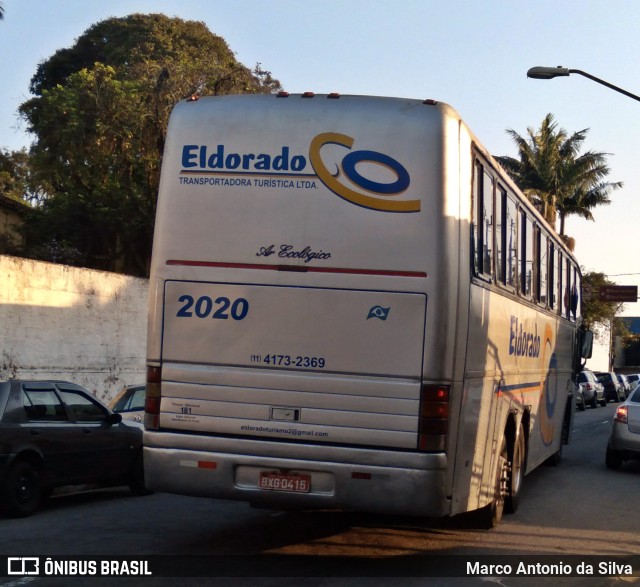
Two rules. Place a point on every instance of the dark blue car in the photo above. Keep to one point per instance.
(55, 433)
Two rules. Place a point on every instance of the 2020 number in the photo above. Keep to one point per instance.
(221, 308)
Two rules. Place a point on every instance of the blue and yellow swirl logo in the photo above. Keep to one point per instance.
(368, 193)
(548, 388)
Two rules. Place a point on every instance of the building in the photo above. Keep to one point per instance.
(626, 351)
(11, 218)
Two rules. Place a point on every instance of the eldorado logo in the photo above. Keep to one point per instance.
(349, 163)
(374, 195)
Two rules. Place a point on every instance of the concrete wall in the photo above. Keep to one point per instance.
(75, 324)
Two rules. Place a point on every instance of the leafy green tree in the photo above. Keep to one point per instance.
(100, 114)
(555, 177)
(17, 180)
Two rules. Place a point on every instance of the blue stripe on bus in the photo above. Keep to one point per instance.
(529, 386)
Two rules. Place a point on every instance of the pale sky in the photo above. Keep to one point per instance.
(472, 55)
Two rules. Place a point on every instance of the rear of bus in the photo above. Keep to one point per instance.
(301, 307)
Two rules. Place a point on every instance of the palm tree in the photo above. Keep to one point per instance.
(553, 175)
(1, 11)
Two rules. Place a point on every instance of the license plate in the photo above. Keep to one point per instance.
(271, 481)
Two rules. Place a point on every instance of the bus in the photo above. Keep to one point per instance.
(352, 307)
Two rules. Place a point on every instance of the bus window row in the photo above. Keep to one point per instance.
(514, 250)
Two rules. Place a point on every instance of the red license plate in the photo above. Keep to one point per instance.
(271, 481)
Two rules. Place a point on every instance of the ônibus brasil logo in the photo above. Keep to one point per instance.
(346, 181)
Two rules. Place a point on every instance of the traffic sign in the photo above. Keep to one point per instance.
(618, 293)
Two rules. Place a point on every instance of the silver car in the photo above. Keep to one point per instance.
(129, 403)
(634, 380)
(592, 390)
(624, 440)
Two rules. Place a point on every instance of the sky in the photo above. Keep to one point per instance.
(472, 55)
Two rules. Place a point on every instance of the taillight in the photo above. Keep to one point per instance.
(621, 415)
(433, 424)
(153, 397)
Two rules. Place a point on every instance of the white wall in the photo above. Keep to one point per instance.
(69, 323)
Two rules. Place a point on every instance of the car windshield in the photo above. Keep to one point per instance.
(635, 396)
(133, 399)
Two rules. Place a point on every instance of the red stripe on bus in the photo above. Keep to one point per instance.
(297, 268)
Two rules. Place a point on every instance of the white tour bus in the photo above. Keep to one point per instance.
(352, 306)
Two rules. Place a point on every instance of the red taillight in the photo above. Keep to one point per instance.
(621, 415)
(433, 424)
(152, 405)
(153, 397)
(154, 374)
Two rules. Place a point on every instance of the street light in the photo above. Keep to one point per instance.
(551, 72)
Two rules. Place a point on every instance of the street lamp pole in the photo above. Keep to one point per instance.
(551, 72)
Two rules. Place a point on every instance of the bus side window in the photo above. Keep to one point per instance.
(567, 289)
(526, 251)
(488, 223)
(575, 295)
(477, 214)
(511, 242)
(500, 216)
(483, 223)
(560, 280)
(553, 276)
(543, 267)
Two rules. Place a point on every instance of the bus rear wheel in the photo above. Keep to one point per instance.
(490, 515)
(516, 472)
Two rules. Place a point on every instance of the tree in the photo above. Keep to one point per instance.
(17, 180)
(552, 174)
(100, 114)
(597, 313)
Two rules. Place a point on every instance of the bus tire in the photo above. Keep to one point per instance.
(516, 472)
(490, 515)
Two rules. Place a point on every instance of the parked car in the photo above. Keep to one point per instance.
(626, 387)
(129, 403)
(580, 405)
(592, 390)
(612, 388)
(624, 438)
(56, 433)
(634, 380)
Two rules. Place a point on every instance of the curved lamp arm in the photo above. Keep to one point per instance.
(551, 72)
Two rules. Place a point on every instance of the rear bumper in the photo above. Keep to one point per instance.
(623, 439)
(588, 394)
(361, 479)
